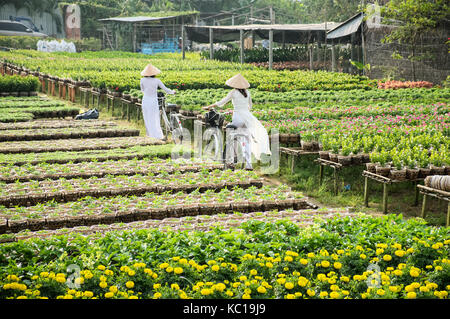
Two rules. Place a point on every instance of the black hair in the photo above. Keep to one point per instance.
(243, 92)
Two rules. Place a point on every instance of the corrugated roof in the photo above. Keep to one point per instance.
(280, 27)
(154, 17)
(346, 28)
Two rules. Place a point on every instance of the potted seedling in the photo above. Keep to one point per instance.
(397, 172)
(382, 168)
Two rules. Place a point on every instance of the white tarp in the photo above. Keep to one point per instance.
(56, 46)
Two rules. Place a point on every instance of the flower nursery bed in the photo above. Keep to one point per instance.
(61, 190)
(206, 222)
(22, 115)
(102, 155)
(336, 258)
(240, 197)
(56, 124)
(74, 145)
(44, 171)
(65, 133)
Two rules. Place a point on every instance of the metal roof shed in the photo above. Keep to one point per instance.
(280, 33)
(155, 32)
(347, 31)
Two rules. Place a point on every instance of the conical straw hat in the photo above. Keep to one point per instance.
(238, 82)
(150, 70)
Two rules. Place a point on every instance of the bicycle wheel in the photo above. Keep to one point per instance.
(165, 121)
(213, 147)
(177, 129)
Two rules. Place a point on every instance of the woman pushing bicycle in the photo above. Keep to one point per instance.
(258, 142)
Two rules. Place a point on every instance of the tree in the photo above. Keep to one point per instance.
(412, 20)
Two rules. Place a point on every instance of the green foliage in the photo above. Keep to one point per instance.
(16, 83)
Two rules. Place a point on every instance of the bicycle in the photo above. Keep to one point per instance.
(171, 119)
(235, 149)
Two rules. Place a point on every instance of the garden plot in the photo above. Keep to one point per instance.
(72, 145)
(34, 192)
(153, 150)
(57, 124)
(244, 196)
(225, 221)
(44, 171)
(65, 133)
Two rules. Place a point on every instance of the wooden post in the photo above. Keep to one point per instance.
(424, 206)
(366, 191)
(211, 44)
(241, 45)
(333, 58)
(183, 42)
(385, 197)
(311, 67)
(270, 49)
(134, 38)
(320, 174)
(416, 193)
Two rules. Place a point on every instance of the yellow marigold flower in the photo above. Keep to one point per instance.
(334, 287)
(88, 294)
(129, 284)
(60, 279)
(169, 269)
(246, 296)
(289, 285)
(261, 290)
(310, 292)
(108, 272)
(215, 268)
(131, 273)
(337, 265)
(288, 258)
(157, 295)
(303, 261)
(103, 284)
(133, 297)
(44, 274)
(178, 270)
(243, 278)
(229, 293)
(334, 295)
(211, 262)
(205, 291)
(393, 288)
(344, 279)
(269, 264)
(248, 291)
(414, 272)
(409, 288)
(113, 289)
(79, 280)
(88, 275)
(281, 281)
(323, 294)
(438, 268)
(380, 292)
(310, 255)
(220, 287)
(321, 277)
(101, 267)
(411, 295)
(164, 265)
(302, 281)
(253, 272)
(325, 263)
(175, 287)
(424, 289)
(290, 296)
(109, 295)
(387, 257)
(362, 256)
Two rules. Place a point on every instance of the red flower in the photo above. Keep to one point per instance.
(117, 88)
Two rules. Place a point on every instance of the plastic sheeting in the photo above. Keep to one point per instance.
(56, 46)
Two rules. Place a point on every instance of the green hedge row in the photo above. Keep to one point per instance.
(16, 83)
